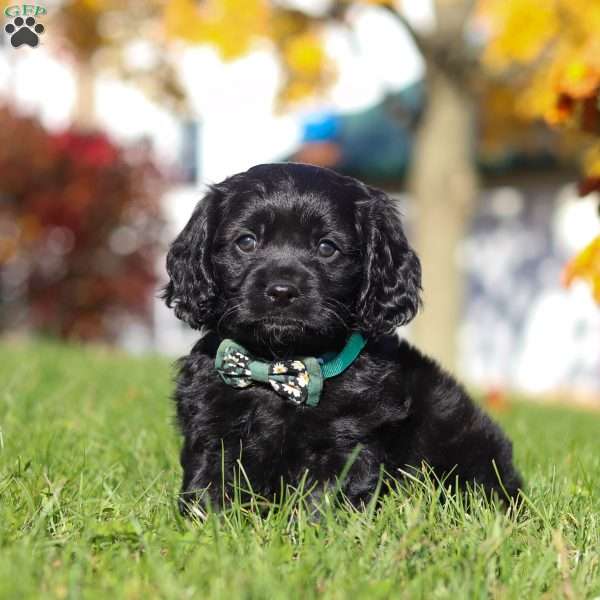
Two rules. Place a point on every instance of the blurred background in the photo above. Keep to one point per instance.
(481, 117)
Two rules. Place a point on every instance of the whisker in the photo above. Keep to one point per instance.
(228, 312)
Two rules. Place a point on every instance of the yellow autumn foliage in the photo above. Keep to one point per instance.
(586, 265)
(591, 160)
(304, 54)
(521, 30)
(558, 41)
(231, 26)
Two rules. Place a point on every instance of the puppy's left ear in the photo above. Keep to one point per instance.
(391, 287)
(192, 289)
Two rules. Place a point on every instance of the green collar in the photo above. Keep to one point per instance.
(299, 380)
(338, 363)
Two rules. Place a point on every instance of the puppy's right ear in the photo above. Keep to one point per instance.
(390, 294)
(192, 290)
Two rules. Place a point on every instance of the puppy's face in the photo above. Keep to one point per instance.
(287, 261)
(293, 256)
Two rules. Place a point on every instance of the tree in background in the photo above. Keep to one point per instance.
(79, 231)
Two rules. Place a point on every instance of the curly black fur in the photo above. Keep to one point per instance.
(397, 405)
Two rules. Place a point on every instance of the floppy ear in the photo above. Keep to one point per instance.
(192, 290)
(390, 292)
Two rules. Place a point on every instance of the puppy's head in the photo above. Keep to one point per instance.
(293, 256)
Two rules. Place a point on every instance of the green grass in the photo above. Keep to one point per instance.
(88, 482)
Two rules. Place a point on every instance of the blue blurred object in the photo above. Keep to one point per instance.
(377, 143)
(373, 144)
(321, 127)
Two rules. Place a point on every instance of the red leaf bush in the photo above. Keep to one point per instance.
(80, 226)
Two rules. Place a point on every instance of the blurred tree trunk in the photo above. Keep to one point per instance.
(444, 182)
(442, 176)
(84, 115)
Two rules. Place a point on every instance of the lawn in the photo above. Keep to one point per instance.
(88, 482)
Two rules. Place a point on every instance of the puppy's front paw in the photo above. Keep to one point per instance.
(195, 504)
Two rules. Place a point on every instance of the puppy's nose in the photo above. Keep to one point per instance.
(282, 293)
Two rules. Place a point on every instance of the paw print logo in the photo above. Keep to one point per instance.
(24, 31)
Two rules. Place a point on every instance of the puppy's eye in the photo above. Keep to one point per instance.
(326, 248)
(246, 243)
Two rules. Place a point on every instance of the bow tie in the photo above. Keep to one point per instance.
(299, 380)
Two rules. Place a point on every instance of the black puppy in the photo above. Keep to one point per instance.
(286, 261)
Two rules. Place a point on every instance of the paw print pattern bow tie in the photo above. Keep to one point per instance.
(299, 380)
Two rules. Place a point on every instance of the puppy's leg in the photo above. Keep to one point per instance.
(459, 441)
(202, 486)
(480, 453)
(492, 466)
